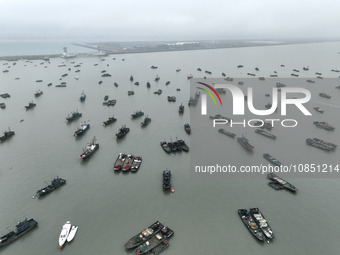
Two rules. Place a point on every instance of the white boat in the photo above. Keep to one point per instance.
(72, 233)
(64, 233)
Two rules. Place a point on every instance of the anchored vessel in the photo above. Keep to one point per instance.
(165, 147)
(227, 133)
(249, 222)
(181, 109)
(160, 238)
(127, 163)
(144, 235)
(89, 149)
(55, 183)
(72, 233)
(122, 132)
(74, 115)
(83, 127)
(166, 179)
(320, 144)
(281, 182)
(7, 134)
(109, 121)
(265, 133)
(21, 228)
(262, 223)
(324, 125)
(272, 160)
(64, 233)
(245, 144)
(137, 114)
(38, 93)
(145, 122)
(119, 162)
(187, 128)
(137, 161)
(30, 105)
(82, 96)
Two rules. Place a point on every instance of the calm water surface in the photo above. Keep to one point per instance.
(111, 207)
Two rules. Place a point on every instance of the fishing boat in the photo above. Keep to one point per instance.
(265, 133)
(160, 238)
(272, 160)
(146, 121)
(89, 149)
(187, 128)
(127, 163)
(318, 109)
(72, 233)
(82, 96)
(157, 78)
(183, 145)
(38, 93)
(144, 235)
(281, 182)
(165, 147)
(137, 161)
(262, 223)
(30, 105)
(122, 132)
(171, 98)
(119, 161)
(83, 128)
(55, 183)
(137, 114)
(7, 134)
(250, 224)
(181, 109)
(227, 133)
(22, 228)
(63, 234)
(109, 121)
(74, 115)
(245, 143)
(166, 179)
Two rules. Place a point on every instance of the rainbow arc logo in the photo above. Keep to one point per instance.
(209, 93)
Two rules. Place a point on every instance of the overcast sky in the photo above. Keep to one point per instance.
(168, 19)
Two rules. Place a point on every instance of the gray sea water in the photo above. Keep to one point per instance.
(111, 207)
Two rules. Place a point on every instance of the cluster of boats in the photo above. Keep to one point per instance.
(256, 223)
(321, 144)
(154, 239)
(279, 183)
(126, 162)
(67, 234)
(179, 145)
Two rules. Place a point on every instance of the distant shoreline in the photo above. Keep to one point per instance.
(119, 48)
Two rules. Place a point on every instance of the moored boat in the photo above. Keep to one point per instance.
(119, 162)
(262, 223)
(160, 238)
(122, 132)
(82, 96)
(249, 222)
(265, 133)
(166, 179)
(7, 134)
(21, 229)
(38, 93)
(89, 149)
(227, 133)
(127, 163)
(83, 128)
(187, 128)
(183, 145)
(137, 114)
(165, 147)
(63, 234)
(279, 181)
(181, 109)
(30, 105)
(55, 183)
(245, 143)
(109, 121)
(272, 160)
(145, 122)
(74, 115)
(72, 233)
(137, 161)
(144, 235)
